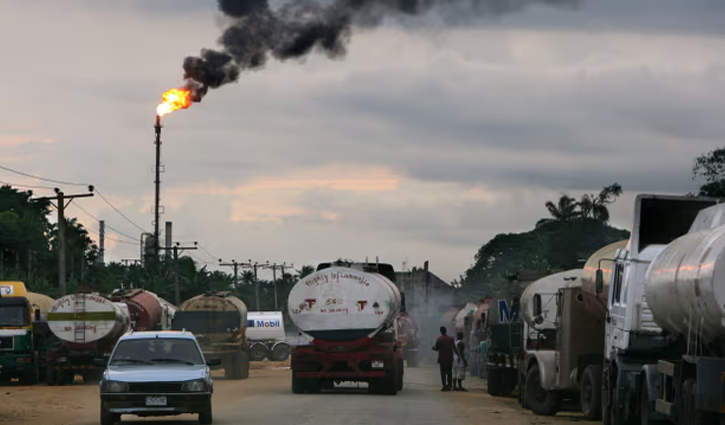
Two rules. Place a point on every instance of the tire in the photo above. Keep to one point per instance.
(540, 401)
(298, 386)
(108, 418)
(29, 378)
(508, 381)
(206, 417)
(280, 352)
(591, 392)
(399, 372)
(51, 378)
(494, 382)
(244, 365)
(258, 352)
(68, 377)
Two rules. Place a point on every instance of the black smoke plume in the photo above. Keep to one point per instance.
(294, 29)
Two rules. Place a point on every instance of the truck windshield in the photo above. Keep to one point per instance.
(157, 350)
(14, 315)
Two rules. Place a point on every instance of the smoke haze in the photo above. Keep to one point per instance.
(294, 29)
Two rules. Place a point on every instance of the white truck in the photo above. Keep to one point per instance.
(266, 335)
(664, 345)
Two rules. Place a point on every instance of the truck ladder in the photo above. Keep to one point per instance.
(79, 327)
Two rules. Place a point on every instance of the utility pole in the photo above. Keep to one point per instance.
(178, 248)
(101, 241)
(254, 266)
(60, 205)
(274, 268)
(236, 266)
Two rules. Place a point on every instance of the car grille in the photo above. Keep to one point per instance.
(6, 343)
(155, 387)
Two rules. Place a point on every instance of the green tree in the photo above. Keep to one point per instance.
(595, 206)
(305, 271)
(564, 209)
(711, 168)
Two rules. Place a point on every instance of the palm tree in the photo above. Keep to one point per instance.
(595, 206)
(564, 210)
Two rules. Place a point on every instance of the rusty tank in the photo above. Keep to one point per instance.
(595, 302)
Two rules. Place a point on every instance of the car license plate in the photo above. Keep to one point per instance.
(156, 401)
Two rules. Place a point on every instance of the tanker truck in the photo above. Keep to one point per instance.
(665, 340)
(148, 312)
(349, 312)
(219, 321)
(267, 338)
(87, 327)
(503, 328)
(23, 332)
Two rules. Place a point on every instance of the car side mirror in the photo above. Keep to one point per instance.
(599, 281)
(213, 362)
(102, 362)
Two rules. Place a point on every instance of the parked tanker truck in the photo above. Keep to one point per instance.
(267, 337)
(219, 321)
(564, 331)
(148, 311)
(87, 327)
(504, 337)
(349, 310)
(23, 333)
(664, 344)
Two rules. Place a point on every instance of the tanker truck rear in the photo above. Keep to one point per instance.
(87, 327)
(665, 339)
(148, 312)
(349, 310)
(219, 321)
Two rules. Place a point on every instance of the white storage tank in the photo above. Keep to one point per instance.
(265, 326)
(343, 304)
(684, 284)
(84, 318)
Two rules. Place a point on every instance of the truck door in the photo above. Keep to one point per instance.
(617, 305)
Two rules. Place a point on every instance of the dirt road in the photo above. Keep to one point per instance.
(265, 399)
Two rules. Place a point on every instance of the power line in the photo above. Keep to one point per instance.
(214, 258)
(107, 225)
(33, 176)
(119, 212)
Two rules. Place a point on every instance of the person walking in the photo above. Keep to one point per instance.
(460, 363)
(445, 346)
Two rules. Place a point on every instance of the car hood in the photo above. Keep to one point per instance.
(156, 373)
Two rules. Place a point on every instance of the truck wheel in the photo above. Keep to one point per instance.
(399, 382)
(493, 383)
(68, 378)
(281, 352)
(244, 365)
(591, 392)
(29, 378)
(297, 384)
(205, 416)
(540, 401)
(508, 381)
(258, 352)
(50, 376)
(108, 418)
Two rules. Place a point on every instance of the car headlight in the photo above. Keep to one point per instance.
(115, 387)
(194, 386)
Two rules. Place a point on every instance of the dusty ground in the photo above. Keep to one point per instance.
(265, 399)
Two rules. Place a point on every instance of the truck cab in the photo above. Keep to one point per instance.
(18, 358)
(634, 342)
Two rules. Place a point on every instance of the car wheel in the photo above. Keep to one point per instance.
(205, 417)
(108, 418)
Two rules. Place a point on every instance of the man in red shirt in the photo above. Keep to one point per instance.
(445, 346)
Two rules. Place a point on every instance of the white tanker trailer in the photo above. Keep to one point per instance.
(349, 310)
(88, 326)
(665, 333)
(267, 337)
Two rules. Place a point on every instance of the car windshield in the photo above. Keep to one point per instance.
(14, 315)
(157, 350)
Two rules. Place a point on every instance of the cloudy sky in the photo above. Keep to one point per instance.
(426, 140)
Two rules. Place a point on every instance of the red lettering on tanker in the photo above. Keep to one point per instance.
(317, 280)
(334, 310)
(344, 275)
(333, 301)
(361, 305)
(310, 302)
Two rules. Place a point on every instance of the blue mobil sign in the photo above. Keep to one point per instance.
(263, 323)
(505, 314)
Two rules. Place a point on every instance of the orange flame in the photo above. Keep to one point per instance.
(174, 99)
